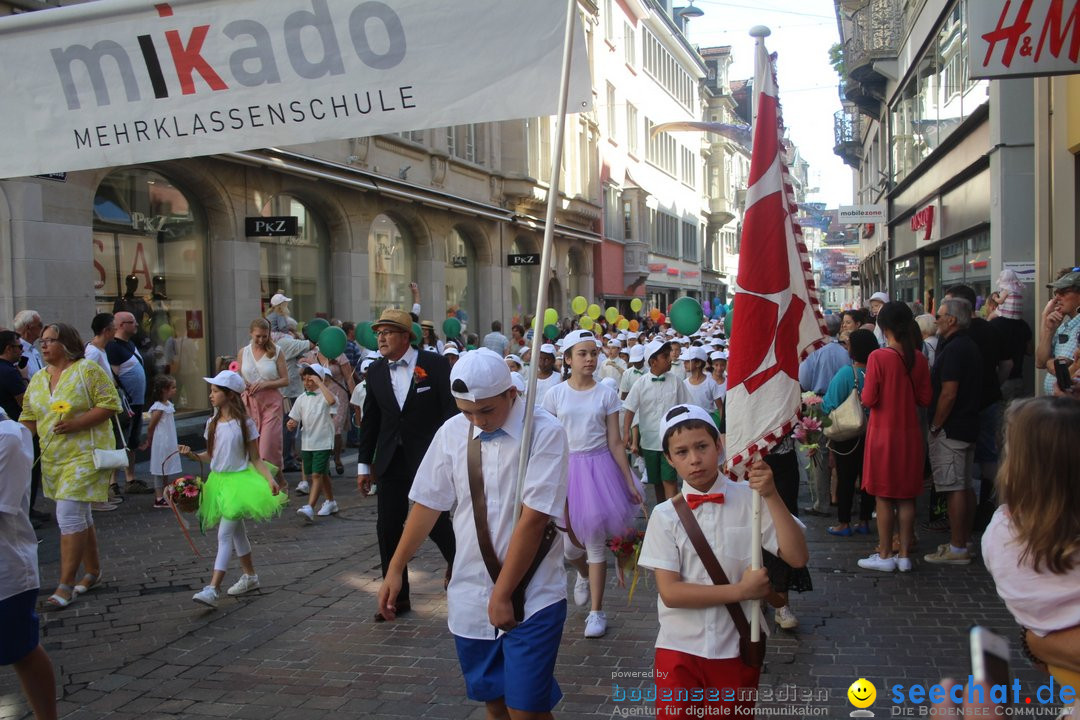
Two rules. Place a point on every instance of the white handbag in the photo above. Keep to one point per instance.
(848, 418)
(109, 459)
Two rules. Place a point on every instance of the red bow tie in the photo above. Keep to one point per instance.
(696, 500)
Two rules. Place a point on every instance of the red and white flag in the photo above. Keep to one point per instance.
(778, 319)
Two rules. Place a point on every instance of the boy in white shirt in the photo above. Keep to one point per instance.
(507, 638)
(314, 412)
(689, 659)
(652, 395)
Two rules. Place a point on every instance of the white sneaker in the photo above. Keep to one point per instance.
(595, 624)
(581, 589)
(307, 512)
(904, 564)
(246, 583)
(329, 507)
(303, 487)
(786, 619)
(876, 562)
(207, 596)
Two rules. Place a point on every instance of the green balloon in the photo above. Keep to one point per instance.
(451, 327)
(314, 328)
(686, 315)
(366, 336)
(551, 332)
(164, 332)
(417, 333)
(332, 342)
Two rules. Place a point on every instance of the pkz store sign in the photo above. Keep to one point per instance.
(279, 226)
(1023, 38)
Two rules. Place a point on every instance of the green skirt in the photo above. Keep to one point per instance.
(239, 495)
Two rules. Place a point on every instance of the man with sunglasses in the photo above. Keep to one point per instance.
(1060, 325)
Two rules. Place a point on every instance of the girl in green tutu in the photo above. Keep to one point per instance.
(240, 484)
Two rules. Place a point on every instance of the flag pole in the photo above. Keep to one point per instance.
(759, 33)
(545, 255)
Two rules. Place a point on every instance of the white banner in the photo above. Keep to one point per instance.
(859, 214)
(1011, 38)
(116, 82)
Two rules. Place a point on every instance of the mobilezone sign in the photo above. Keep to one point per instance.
(116, 82)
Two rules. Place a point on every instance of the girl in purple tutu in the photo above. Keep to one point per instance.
(602, 495)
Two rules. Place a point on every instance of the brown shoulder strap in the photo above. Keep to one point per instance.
(479, 507)
(708, 559)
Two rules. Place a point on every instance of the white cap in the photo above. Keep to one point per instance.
(278, 299)
(579, 336)
(547, 348)
(879, 296)
(478, 375)
(718, 355)
(637, 353)
(696, 353)
(671, 331)
(515, 358)
(615, 342)
(518, 380)
(365, 364)
(634, 335)
(450, 349)
(654, 347)
(319, 369)
(228, 379)
(683, 413)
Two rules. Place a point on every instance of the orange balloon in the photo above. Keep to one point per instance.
(633, 325)
(654, 314)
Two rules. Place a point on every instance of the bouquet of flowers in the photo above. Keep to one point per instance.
(810, 430)
(184, 493)
(627, 548)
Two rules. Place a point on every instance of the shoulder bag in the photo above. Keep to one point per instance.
(483, 532)
(751, 653)
(107, 459)
(848, 418)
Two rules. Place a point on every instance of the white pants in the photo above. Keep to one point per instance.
(73, 516)
(231, 535)
(596, 551)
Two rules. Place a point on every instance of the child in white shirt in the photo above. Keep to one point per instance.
(314, 411)
(161, 438)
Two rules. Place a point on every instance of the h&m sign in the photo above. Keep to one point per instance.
(1023, 38)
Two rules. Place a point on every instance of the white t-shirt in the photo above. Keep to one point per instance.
(705, 394)
(543, 385)
(359, 394)
(93, 353)
(315, 416)
(1040, 601)
(649, 399)
(629, 378)
(726, 527)
(18, 544)
(230, 455)
(583, 413)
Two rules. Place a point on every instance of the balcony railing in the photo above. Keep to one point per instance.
(847, 128)
(877, 28)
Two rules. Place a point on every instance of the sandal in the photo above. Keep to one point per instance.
(60, 602)
(84, 586)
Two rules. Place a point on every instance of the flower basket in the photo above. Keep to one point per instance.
(185, 492)
(627, 548)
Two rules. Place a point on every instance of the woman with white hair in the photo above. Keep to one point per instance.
(928, 326)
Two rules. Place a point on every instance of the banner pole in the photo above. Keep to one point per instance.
(545, 255)
(759, 33)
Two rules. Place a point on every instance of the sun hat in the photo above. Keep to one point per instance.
(397, 319)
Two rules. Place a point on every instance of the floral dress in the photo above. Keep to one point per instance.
(67, 461)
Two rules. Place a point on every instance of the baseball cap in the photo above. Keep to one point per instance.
(478, 375)
(319, 369)
(637, 353)
(697, 353)
(1067, 281)
(228, 379)
(450, 350)
(718, 355)
(615, 342)
(515, 358)
(519, 381)
(365, 364)
(879, 296)
(547, 348)
(579, 336)
(681, 414)
(654, 347)
(278, 299)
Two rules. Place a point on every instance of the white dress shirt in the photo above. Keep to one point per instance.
(315, 416)
(705, 632)
(18, 544)
(33, 358)
(443, 480)
(401, 377)
(649, 401)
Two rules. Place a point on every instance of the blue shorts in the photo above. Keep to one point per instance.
(20, 623)
(527, 654)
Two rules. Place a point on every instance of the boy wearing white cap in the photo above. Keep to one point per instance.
(509, 627)
(700, 563)
(546, 377)
(633, 372)
(649, 398)
(314, 411)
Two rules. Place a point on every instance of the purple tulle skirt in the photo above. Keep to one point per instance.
(600, 505)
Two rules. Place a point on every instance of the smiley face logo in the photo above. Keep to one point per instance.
(862, 693)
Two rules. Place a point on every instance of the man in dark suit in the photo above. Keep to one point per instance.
(408, 399)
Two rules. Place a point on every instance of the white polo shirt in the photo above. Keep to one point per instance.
(649, 399)
(443, 480)
(705, 632)
(18, 544)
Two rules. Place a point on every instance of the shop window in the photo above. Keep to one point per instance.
(576, 277)
(298, 265)
(523, 281)
(391, 258)
(460, 278)
(150, 243)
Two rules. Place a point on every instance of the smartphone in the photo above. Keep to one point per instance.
(1061, 369)
(989, 657)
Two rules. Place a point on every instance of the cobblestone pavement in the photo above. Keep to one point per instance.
(304, 646)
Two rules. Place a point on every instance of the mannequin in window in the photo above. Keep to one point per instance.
(160, 330)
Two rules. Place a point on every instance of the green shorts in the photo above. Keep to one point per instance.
(315, 461)
(657, 467)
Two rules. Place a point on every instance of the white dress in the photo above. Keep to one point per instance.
(164, 443)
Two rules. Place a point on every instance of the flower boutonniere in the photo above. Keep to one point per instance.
(419, 375)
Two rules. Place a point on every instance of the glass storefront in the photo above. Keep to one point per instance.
(296, 266)
(967, 262)
(150, 260)
(391, 266)
(460, 278)
(906, 280)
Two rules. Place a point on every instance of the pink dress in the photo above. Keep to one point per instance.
(894, 456)
(266, 407)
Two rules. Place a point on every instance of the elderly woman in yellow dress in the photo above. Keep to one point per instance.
(68, 405)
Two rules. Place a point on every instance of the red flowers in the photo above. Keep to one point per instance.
(419, 374)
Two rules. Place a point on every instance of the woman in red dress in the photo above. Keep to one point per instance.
(897, 380)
